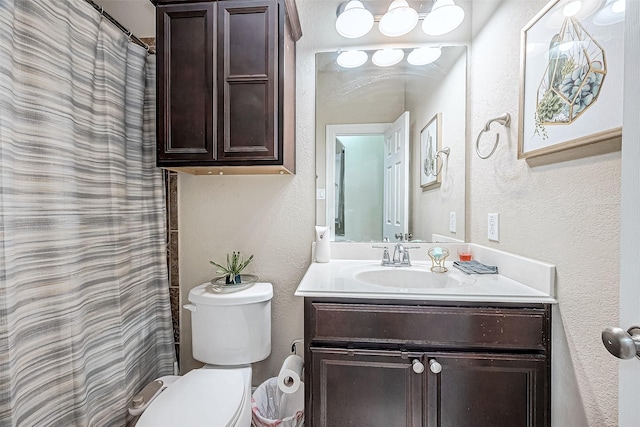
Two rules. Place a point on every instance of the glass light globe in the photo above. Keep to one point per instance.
(399, 19)
(424, 55)
(352, 58)
(387, 57)
(355, 21)
(443, 18)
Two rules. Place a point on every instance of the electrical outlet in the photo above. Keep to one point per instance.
(452, 222)
(493, 227)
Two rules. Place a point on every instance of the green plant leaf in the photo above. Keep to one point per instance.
(235, 264)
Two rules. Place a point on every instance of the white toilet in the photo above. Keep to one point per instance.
(229, 331)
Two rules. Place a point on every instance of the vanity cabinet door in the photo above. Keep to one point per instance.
(492, 390)
(185, 83)
(366, 388)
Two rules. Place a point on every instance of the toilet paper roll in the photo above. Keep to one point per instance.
(290, 373)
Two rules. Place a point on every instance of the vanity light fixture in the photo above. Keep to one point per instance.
(424, 55)
(352, 58)
(445, 16)
(354, 21)
(399, 19)
(387, 57)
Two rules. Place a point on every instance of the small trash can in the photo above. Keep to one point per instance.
(271, 407)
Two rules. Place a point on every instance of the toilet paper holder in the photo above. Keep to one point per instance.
(294, 345)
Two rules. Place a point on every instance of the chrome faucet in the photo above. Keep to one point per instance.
(400, 258)
(399, 251)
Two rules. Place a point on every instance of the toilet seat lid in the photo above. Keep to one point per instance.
(202, 397)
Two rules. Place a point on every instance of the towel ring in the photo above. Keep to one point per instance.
(444, 152)
(504, 120)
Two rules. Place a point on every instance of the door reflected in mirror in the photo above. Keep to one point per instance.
(368, 123)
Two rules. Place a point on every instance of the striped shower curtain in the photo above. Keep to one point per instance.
(85, 320)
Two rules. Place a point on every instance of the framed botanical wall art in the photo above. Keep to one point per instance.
(430, 144)
(571, 76)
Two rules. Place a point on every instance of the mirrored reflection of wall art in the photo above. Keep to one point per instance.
(571, 76)
(430, 144)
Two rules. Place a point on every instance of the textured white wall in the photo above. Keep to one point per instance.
(268, 216)
(138, 16)
(566, 213)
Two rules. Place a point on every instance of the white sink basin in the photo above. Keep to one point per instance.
(412, 277)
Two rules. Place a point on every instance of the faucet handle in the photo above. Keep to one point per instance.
(406, 259)
(386, 259)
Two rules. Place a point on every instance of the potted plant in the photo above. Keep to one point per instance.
(235, 265)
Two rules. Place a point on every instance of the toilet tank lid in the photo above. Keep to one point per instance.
(203, 294)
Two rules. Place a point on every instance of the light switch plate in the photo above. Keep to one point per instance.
(493, 227)
(452, 222)
(320, 195)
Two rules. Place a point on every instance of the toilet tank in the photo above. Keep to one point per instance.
(231, 328)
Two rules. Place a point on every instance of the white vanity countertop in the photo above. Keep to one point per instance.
(337, 279)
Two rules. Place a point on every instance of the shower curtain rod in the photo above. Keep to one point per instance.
(133, 38)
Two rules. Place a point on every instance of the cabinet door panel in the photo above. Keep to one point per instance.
(186, 119)
(247, 80)
(249, 51)
(365, 388)
(247, 134)
(488, 390)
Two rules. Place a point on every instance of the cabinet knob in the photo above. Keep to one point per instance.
(434, 366)
(418, 367)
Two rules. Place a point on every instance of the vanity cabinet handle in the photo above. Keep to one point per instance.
(434, 366)
(418, 367)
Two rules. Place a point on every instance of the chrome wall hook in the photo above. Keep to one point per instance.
(504, 120)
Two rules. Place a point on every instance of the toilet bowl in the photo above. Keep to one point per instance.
(229, 331)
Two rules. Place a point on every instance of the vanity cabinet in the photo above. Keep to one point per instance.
(226, 85)
(414, 363)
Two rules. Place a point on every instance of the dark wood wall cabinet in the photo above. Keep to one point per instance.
(226, 85)
(439, 364)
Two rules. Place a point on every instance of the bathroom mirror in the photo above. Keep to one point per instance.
(354, 109)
